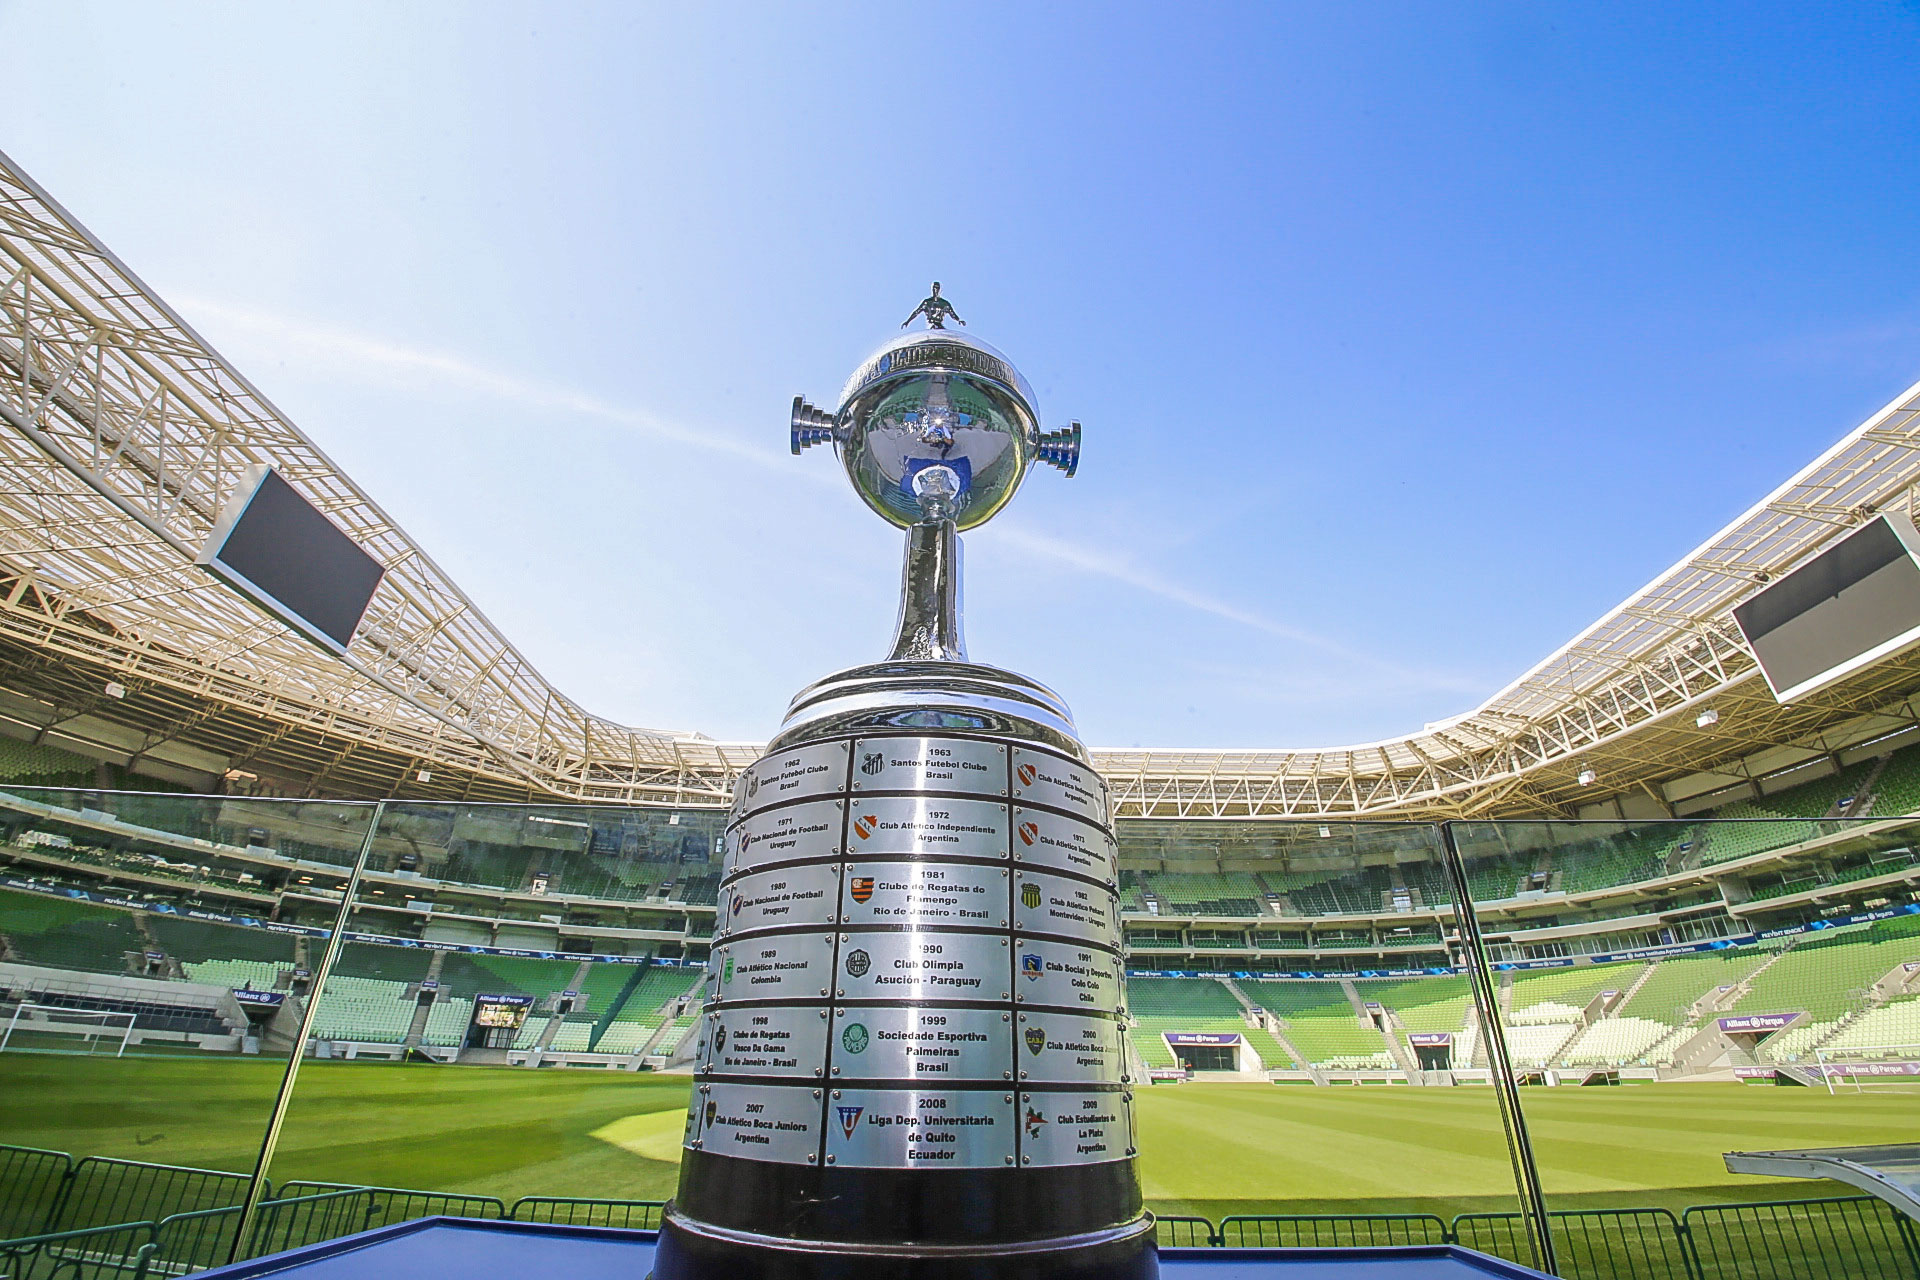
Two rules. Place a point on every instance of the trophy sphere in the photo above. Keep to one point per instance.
(937, 399)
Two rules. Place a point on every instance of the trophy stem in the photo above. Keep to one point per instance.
(930, 628)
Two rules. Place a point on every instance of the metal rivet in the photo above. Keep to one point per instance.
(840, 992)
(1026, 1159)
(836, 1094)
(1023, 1075)
(829, 1159)
(836, 1071)
(816, 1093)
(810, 1158)
(1009, 1159)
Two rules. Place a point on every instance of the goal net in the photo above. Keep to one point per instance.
(47, 1026)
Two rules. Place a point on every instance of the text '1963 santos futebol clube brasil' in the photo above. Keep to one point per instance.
(912, 1057)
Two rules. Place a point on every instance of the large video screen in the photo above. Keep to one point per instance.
(282, 552)
(1853, 604)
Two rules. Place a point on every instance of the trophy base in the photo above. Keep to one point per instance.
(694, 1250)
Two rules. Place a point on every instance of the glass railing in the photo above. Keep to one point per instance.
(493, 1003)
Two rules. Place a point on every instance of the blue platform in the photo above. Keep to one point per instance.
(476, 1249)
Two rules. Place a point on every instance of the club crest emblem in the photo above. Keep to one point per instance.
(854, 1038)
(739, 901)
(870, 764)
(864, 824)
(726, 974)
(1027, 774)
(719, 1039)
(858, 962)
(1036, 1040)
(849, 1117)
(1028, 830)
(1030, 896)
(708, 1114)
(861, 888)
(753, 785)
(1034, 1121)
(1030, 965)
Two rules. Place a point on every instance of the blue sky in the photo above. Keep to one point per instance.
(1408, 339)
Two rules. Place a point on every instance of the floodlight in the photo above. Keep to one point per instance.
(1588, 777)
(1707, 719)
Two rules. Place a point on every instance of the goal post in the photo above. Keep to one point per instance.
(1869, 1064)
(100, 1028)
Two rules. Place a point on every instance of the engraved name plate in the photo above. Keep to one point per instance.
(1049, 840)
(928, 825)
(810, 830)
(780, 1124)
(1064, 974)
(1046, 779)
(1074, 1128)
(924, 966)
(789, 895)
(763, 1042)
(1045, 903)
(879, 1043)
(920, 1128)
(1065, 1048)
(784, 966)
(924, 893)
(793, 775)
(930, 764)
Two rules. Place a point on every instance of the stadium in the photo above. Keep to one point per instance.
(1687, 851)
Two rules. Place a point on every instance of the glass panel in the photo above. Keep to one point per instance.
(1318, 1073)
(1676, 990)
(507, 1021)
(157, 949)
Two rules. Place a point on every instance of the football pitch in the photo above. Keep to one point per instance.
(1210, 1149)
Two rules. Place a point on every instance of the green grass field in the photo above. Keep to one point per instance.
(1207, 1149)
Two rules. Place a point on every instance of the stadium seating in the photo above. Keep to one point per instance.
(1893, 1028)
(61, 933)
(447, 1022)
(363, 1009)
(234, 974)
(1207, 893)
(386, 964)
(1791, 1044)
(1160, 1005)
(1319, 1021)
(1570, 987)
(1615, 1042)
(1897, 790)
(1822, 974)
(1617, 860)
(573, 1037)
(1537, 1045)
(471, 975)
(1437, 1003)
(1677, 983)
(189, 940)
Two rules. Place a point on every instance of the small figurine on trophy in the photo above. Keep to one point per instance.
(936, 309)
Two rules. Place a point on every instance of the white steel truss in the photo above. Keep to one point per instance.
(126, 434)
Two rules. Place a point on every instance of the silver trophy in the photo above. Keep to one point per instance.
(912, 1054)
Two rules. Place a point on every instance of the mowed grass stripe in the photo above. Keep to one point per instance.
(1210, 1149)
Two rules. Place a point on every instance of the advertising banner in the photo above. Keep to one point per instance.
(1203, 1037)
(1750, 1022)
(1430, 1039)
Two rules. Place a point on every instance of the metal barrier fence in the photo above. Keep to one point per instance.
(640, 1214)
(1330, 1231)
(397, 1204)
(59, 1225)
(31, 1181)
(1590, 1244)
(1843, 1238)
(1176, 1231)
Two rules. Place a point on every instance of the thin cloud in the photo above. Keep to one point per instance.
(1122, 570)
(356, 351)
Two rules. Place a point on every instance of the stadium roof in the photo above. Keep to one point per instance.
(129, 434)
